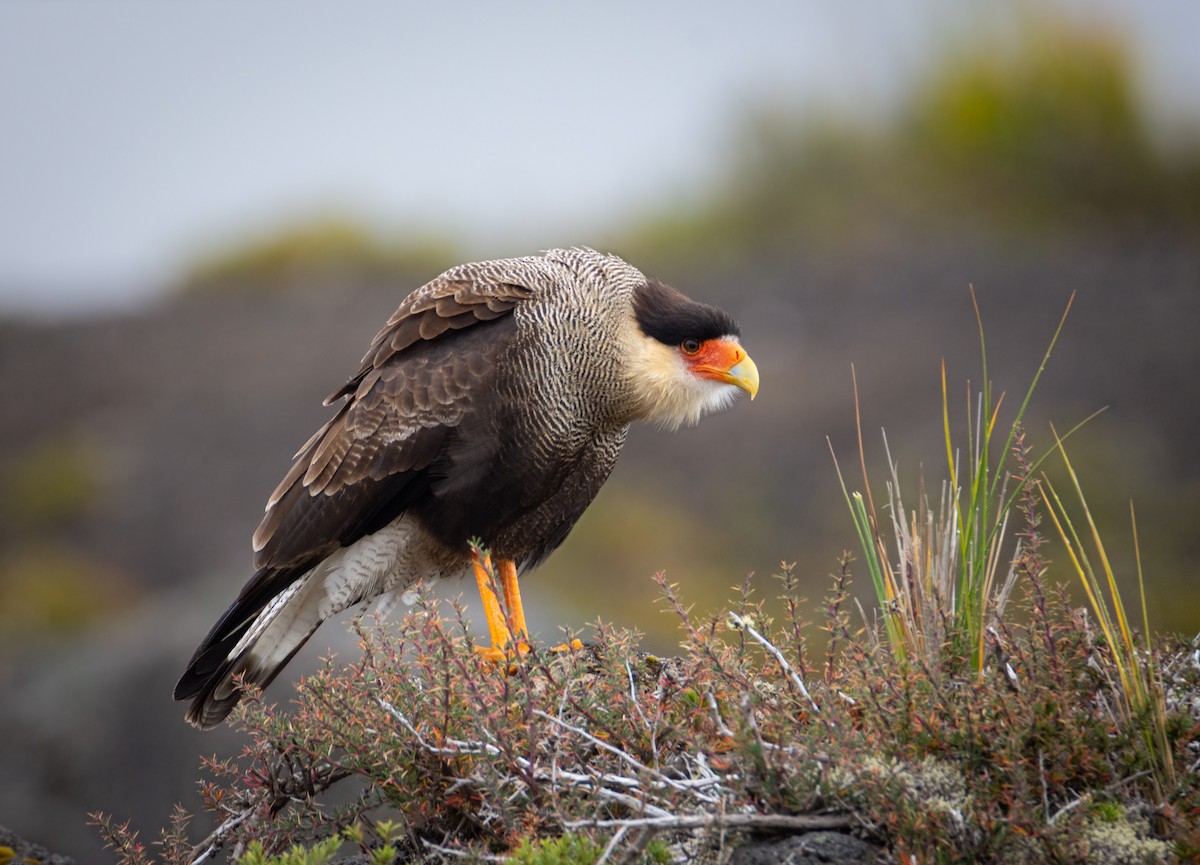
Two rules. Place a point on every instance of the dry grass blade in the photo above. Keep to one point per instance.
(1139, 693)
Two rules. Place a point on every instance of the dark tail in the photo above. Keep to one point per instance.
(273, 617)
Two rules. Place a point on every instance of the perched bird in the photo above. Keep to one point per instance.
(492, 406)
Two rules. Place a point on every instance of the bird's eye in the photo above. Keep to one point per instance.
(690, 345)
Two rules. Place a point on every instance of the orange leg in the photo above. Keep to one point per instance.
(512, 599)
(516, 610)
(510, 629)
(491, 603)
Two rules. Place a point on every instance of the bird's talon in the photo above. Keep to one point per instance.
(501, 654)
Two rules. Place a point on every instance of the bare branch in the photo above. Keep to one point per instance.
(778, 822)
(743, 623)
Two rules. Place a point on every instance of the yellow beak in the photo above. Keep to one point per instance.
(743, 374)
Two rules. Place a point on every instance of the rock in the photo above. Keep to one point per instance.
(15, 849)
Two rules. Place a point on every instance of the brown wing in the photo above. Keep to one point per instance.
(425, 373)
(422, 375)
(444, 305)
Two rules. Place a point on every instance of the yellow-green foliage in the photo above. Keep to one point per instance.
(572, 849)
(54, 482)
(1053, 115)
(45, 588)
(1040, 129)
(566, 849)
(314, 247)
(1056, 86)
(320, 853)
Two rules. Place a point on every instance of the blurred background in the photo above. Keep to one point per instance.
(206, 212)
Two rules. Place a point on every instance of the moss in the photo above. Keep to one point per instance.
(1122, 841)
(936, 784)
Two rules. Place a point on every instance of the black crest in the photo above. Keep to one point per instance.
(669, 316)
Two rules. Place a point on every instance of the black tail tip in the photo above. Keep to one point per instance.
(213, 695)
(207, 712)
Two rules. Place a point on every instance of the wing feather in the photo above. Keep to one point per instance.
(448, 303)
(430, 368)
(427, 369)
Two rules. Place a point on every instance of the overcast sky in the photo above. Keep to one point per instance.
(136, 131)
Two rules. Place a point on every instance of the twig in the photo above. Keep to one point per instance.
(742, 623)
(631, 802)
(650, 728)
(462, 854)
(1092, 794)
(594, 782)
(612, 844)
(1086, 797)
(210, 844)
(722, 727)
(458, 746)
(599, 743)
(1045, 786)
(692, 787)
(634, 849)
(726, 821)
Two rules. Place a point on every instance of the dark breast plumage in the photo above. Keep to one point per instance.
(491, 406)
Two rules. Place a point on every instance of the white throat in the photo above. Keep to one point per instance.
(667, 392)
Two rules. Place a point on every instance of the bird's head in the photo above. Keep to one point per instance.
(686, 358)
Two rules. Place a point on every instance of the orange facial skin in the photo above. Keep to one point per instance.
(722, 360)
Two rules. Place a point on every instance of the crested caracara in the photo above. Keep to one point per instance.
(492, 406)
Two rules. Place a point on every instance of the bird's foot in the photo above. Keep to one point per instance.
(502, 654)
(499, 654)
